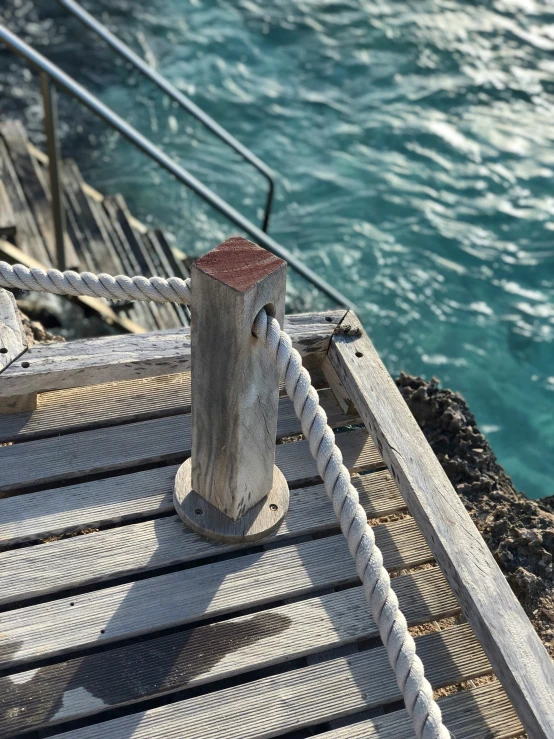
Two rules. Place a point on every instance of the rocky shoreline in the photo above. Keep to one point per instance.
(518, 531)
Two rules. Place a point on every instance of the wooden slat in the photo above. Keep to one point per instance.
(141, 495)
(182, 660)
(166, 267)
(112, 404)
(116, 358)
(118, 213)
(197, 593)
(145, 442)
(515, 650)
(7, 217)
(91, 236)
(149, 545)
(13, 341)
(481, 713)
(29, 238)
(311, 695)
(37, 189)
(13, 254)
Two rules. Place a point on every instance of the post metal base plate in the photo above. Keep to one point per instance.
(207, 520)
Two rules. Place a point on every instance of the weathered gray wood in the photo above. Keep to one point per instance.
(36, 187)
(7, 217)
(115, 403)
(116, 358)
(305, 697)
(118, 213)
(481, 713)
(235, 383)
(133, 549)
(13, 341)
(29, 238)
(337, 387)
(162, 439)
(186, 596)
(140, 495)
(17, 404)
(256, 523)
(91, 230)
(516, 652)
(207, 653)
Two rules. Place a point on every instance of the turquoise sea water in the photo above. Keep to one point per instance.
(414, 144)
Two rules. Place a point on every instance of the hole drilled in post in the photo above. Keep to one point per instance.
(359, 354)
(3, 350)
(25, 365)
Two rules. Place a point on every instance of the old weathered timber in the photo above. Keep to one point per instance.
(515, 650)
(275, 638)
(230, 489)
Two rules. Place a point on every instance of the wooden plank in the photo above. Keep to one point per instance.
(13, 254)
(94, 235)
(147, 442)
(235, 381)
(141, 495)
(36, 188)
(198, 593)
(116, 358)
(516, 652)
(141, 547)
(115, 403)
(95, 243)
(164, 268)
(7, 217)
(481, 713)
(312, 695)
(118, 213)
(29, 238)
(207, 653)
(13, 341)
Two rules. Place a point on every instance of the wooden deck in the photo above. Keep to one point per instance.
(138, 628)
(102, 236)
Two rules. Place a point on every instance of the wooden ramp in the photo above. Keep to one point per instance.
(138, 628)
(102, 236)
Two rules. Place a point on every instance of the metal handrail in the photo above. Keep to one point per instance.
(69, 85)
(124, 51)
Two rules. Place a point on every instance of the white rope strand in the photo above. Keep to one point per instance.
(400, 646)
(157, 289)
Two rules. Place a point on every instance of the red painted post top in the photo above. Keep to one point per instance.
(239, 263)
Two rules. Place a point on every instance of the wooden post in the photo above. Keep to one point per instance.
(13, 343)
(230, 488)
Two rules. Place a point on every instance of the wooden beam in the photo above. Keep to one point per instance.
(116, 358)
(13, 341)
(12, 254)
(230, 489)
(514, 649)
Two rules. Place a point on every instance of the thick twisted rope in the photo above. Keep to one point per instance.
(400, 646)
(121, 287)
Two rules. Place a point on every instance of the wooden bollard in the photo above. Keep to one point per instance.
(230, 488)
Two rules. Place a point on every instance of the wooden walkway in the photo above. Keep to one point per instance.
(138, 628)
(102, 236)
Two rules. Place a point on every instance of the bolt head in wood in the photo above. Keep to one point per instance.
(207, 520)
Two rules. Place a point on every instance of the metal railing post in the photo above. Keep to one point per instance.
(54, 165)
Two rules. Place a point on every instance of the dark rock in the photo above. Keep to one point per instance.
(518, 531)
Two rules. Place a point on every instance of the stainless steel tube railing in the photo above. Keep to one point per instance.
(69, 85)
(124, 51)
